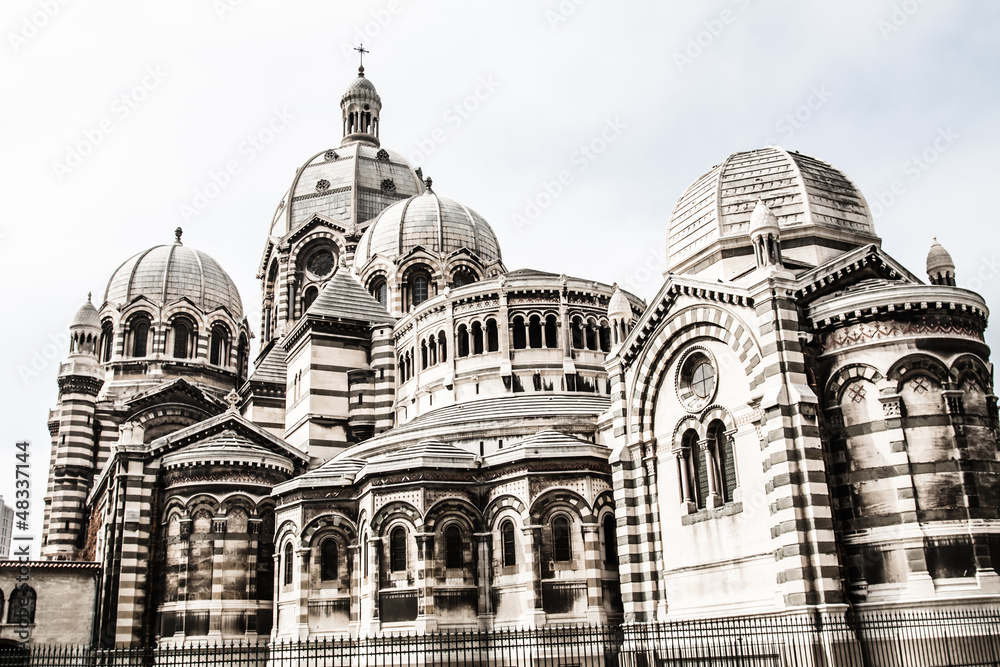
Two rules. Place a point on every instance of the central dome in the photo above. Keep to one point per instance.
(166, 273)
(813, 202)
(436, 224)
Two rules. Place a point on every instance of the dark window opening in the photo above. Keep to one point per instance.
(535, 331)
(452, 548)
(328, 560)
(562, 543)
(508, 544)
(289, 572)
(309, 296)
(182, 340)
(550, 331)
(610, 540)
(520, 341)
(492, 336)
(140, 337)
(397, 550)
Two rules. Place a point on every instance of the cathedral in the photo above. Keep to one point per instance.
(427, 441)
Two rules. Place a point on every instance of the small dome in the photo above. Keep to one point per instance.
(939, 261)
(619, 307)
(86, 317)
(762, 220)
(361, 88)
(166, 273)
(437, 224)
(228, 449)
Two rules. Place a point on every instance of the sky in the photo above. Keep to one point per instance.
(572, 126)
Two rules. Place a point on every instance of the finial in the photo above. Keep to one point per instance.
(233, 399)
(177, 235)
(90, 295)
(429, 182)
(361, 55)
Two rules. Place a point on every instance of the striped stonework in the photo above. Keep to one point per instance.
(802, 529)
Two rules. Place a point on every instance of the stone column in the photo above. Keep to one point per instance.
(374, 579)
(708, 455)
(425, 585)
(535, 615)
(303, 554)
(592, 565)
(483, 569)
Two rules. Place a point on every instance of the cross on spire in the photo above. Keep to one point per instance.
(361, 56)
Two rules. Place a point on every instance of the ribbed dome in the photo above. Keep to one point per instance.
(437, 224)
(802, 193)
(166, 273)
(86, 316)
(361, 89)
(348, 184)
(939, 262)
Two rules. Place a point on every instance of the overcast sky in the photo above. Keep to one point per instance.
(119, 120)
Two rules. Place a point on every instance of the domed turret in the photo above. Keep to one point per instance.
(940, 266)
(765, 234)
(360, 106)
(819, 211)
(620, 315)
(85, 331)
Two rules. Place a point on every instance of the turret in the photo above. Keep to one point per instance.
(765, 236)
(940, 266)
(620, 316)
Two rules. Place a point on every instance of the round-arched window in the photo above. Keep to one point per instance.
(320, 263)
(697, 378)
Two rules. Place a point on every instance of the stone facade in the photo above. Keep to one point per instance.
(48, 602)
(429, 441)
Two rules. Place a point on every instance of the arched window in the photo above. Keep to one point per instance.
(463, 341)
(442, 347)
(107, 341)
(380, 291)
(610, 539)
(535, 331)
(419, 287)
(423, 355)
(401, 367)
(397, 550)
(699, 469)
(432, 350)
(22, 605)
(241, 357)
(452, 547)
(182, 340)
(140, 336)
(492, 336)
(562, 544)
(463, 277)
(605, 333)
(591, 329)
(328, 560)
(309, 296)
(219, 343)
(577, 327)
(550, 332)
(722, 449)
(520, 341)
(265, 556)
(507, 544)
(288, 564)
(477, 338)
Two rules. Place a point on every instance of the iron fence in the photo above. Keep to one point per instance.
(956, 638)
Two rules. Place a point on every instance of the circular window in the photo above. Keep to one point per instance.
(321, 263)
(697, 379)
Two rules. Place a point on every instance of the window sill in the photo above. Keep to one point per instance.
(708, 514)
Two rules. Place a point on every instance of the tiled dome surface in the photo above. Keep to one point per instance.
(166, 273)
(435, 223)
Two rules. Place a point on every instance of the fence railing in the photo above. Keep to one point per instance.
(955, 638)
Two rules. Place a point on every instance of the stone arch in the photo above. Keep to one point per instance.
(318, 233)
(971, 365)
(284, 532)
(204, 501)
(717, 413)
(685, 424)
(694, 323)
(335, 521)
(904, 368)
(393, 510)
(606, 500)
(552, 499)
(839, 380)
(501, 503)
(449, 507)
